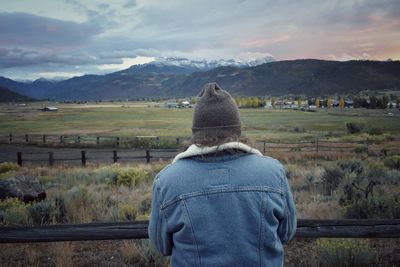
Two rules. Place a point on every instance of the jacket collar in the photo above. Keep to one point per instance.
(195, 150)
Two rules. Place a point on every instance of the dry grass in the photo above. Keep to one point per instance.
(63, 254)
(130, 252)
(90, 195)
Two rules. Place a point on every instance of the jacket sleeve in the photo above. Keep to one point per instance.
(158, 227)
(287, 227)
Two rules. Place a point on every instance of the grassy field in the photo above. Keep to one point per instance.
(325, 186)
(144, 119)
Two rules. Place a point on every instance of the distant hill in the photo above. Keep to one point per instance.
(10, 96)
(300, 77)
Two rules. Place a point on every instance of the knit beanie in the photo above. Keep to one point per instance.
(215, 116)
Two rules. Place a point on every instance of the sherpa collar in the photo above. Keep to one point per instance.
(195, 150)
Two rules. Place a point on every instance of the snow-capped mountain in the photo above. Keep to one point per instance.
(180, 65)
(207, 65)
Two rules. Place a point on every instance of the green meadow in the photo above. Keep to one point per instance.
(148, 119)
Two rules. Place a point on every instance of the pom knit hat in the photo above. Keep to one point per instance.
(215, 116)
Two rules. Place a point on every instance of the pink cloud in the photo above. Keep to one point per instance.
(266, 41)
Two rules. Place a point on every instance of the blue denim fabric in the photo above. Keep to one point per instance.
(225, 210)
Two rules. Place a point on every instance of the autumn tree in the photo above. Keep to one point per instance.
(317, 103)
(341, 103)
(273, 102)
(329, 103)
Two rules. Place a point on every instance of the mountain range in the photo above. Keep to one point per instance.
(177, 77)
(10, 96)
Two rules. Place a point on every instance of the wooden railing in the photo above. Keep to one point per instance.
(138, 230)
(84, 157)
(93, 140)
(160, 142)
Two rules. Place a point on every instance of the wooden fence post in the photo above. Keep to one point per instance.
(19, 158)
(51, 158)
(10, 137)
(317, 144)
(148, 156)
(97, 140)
(83, 157)
(115, 156)
(61, 139)
(79, 139)
(158, 141)
(264, 146)
(26, 138)
(44, 138)
(177, 141)
(117, 141)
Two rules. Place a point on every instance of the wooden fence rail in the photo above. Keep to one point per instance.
(317, 144)
(91, 140)
(138, 230)
(84, 158)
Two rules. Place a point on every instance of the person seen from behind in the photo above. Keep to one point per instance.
(221, 202)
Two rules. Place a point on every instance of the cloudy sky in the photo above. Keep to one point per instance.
(64, 38)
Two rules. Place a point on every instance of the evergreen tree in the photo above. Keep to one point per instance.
(364, 103)
(356, 102)
(373, 102)
(384, 102)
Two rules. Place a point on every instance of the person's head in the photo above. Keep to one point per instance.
(215, 118)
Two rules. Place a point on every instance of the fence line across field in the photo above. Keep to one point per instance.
(148, 141)
(83, 156)
(138, 230)
(53, 139)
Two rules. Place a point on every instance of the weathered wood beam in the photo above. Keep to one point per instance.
(138, 230)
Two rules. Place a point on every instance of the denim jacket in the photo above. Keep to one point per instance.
(222, 209)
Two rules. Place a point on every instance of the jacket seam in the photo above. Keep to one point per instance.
(261, 235)
(221, 190)
(191, 229)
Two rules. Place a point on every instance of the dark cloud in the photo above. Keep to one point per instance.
(16, 57)
(26, 30)
(208, 29)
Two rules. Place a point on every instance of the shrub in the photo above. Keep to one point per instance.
(127, 212)
(299, 129)
(107, 174)
(354, 127)
(141, 253)
(79, 205)
(375, 131)
(145, 205)
(131, 177)
(375, 207)
(14, 212)
(331, 179)
(361, 149)
(351, 166)
(392, 162)
(42, 212)
(8, 166)
(345, 253)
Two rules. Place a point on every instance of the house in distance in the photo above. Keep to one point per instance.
(49, 109)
